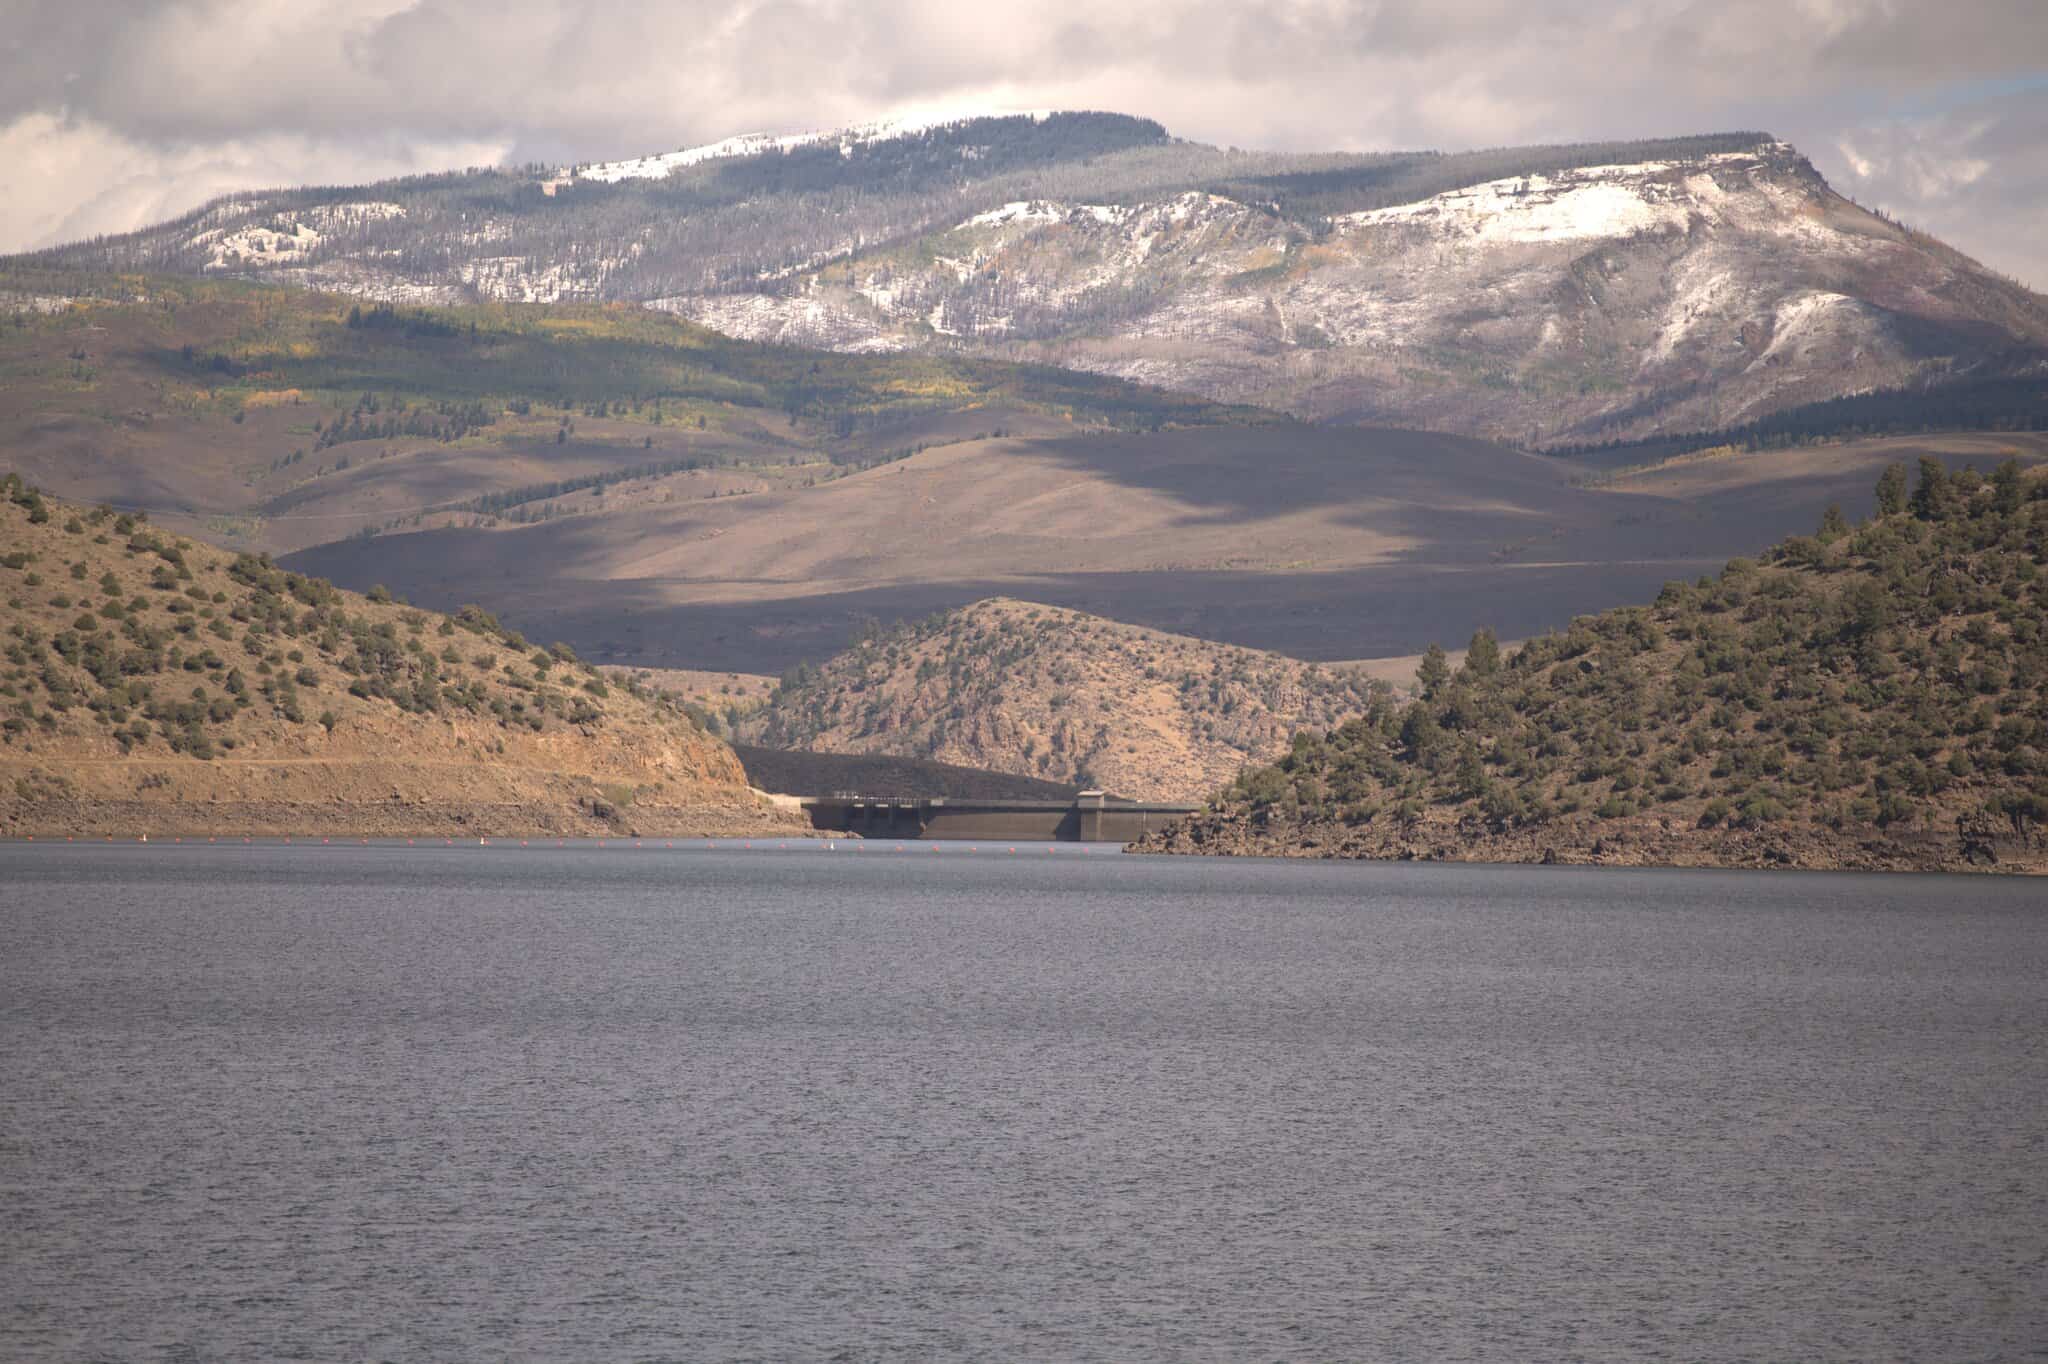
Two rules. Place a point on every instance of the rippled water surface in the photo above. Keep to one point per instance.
(462, 1103)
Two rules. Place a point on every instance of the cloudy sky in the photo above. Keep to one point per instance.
(115, 113)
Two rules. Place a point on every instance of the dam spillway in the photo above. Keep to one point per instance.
(1091, 817)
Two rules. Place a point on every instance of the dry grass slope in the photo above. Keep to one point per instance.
(154, 684)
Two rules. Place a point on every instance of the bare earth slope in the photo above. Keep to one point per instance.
(1321, 543)
(1875, 698)
(157, 685)
(1013, 686)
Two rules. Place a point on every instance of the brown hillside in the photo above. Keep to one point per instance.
(275, 419)
(156, 685)
(1316, 543)
(1013, 686)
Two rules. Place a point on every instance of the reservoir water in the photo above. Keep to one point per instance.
(346, 1103)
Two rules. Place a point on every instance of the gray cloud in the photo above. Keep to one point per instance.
(116, 112)
(1975, 175)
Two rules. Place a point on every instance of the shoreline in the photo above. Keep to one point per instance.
(44, 820)
(1979, 849)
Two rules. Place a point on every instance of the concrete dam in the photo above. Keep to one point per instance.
(1090, 817)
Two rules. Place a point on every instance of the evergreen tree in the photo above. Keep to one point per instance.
(2006, 493)
(1434, 672)
(1482, 656)
(1833, 525)
(1891, 490)
(1931, 495)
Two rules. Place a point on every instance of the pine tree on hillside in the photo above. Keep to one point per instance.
(1891, 490)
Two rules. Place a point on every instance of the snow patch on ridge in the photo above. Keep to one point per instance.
(1702, 294)
(1586, 202)
(780, 320)
(1023, 211)
(1816, 317)
(759, 144)
(289, 238)
(1536, 208)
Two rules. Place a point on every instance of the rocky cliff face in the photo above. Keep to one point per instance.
(1013, 686)
(1596, 302)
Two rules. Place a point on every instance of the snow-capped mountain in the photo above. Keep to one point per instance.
(1541, 295)
(1597, 301)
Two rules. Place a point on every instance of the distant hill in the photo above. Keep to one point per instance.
(279, 418)
(1872, 697)
(152, 684)
(1544, 296)
(1315, 542)
(1012, 686)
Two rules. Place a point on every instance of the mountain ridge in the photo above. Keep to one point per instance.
(1550, 295)
(1596, 302)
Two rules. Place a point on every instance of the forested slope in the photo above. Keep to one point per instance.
(1863, 697)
